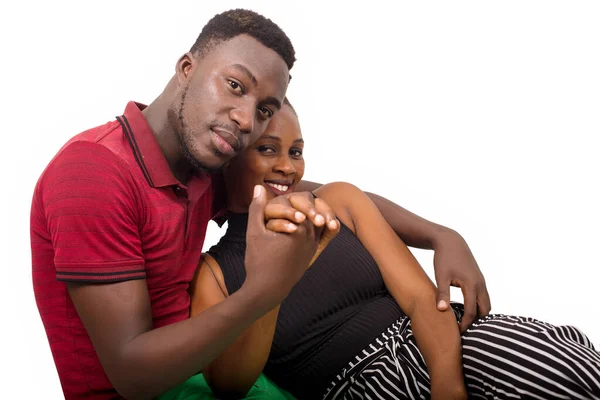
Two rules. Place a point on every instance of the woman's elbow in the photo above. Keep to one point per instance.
(225, 386)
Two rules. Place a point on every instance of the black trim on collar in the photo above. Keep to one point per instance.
(134, 146)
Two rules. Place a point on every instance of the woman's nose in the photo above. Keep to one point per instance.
(285, 166)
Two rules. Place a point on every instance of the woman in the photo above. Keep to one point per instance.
(363, 320)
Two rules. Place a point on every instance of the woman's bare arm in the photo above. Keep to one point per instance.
(454, 262)
(233, 372)
(436, 332)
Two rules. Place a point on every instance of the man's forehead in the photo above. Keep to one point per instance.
(246, 51)
(262, 65)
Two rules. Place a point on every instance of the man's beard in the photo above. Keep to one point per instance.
(193, 161)
(182, 134)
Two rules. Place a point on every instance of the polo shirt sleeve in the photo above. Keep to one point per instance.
(92, 214)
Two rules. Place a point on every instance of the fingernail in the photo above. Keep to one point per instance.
(292, 227)
(319, 219)
(332, 224)
(257, 190)
(299, 216)
(441, 304)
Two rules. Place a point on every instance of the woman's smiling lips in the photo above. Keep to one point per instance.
(279, 186)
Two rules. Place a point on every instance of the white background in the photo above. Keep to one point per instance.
(482, 116)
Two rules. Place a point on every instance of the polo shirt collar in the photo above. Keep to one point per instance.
(146, 150)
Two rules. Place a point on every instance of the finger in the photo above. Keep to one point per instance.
(281, 226)
(326, 211)
(443, 294)
(256, 211)
(326, 237)
(470, 308)
(484, 305)
(329, 233)
(283, 211)
(304, 202)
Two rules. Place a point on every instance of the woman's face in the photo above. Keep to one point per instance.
(275, 161)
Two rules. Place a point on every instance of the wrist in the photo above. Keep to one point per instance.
(450, 380)
(257, 298)
(444, 236)
(441, 390)
(448, 370)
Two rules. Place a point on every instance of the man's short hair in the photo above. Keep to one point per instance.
(232, 23)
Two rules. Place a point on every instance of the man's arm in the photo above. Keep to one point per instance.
(142, 362)
(454, 262)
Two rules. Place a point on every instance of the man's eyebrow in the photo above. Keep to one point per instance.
(269, 100)
(272, 101)
(246, 72)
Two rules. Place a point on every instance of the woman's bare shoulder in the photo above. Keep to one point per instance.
(342, 198)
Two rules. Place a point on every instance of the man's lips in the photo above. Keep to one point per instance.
(229, 137)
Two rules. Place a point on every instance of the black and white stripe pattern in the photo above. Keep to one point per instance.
(504, 357)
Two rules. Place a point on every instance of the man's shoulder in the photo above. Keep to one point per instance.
(102, 145)
(97, 154)
(108, 135)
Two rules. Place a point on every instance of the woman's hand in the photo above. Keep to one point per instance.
(284, 213)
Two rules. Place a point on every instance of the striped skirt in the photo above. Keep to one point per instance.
(504, 357)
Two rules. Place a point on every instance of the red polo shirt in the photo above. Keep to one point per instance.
(108, 209)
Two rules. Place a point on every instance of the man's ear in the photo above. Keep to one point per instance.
(184, 67)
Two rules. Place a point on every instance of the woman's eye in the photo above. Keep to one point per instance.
(265, 112)
(296, 153)
(266, 150)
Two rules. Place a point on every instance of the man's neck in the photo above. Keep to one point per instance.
(156, 114)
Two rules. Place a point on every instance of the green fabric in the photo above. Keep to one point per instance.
(196, 388)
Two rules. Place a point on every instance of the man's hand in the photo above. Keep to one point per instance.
(455, 266)
(275, 261)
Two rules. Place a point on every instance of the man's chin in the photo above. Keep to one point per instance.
(209, 166)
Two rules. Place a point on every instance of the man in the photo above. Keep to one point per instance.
(119, 216)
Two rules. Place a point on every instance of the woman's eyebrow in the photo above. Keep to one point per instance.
(279, 139)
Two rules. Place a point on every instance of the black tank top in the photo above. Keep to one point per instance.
(337, 309)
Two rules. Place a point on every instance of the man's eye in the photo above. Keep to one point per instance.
(235, 86)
